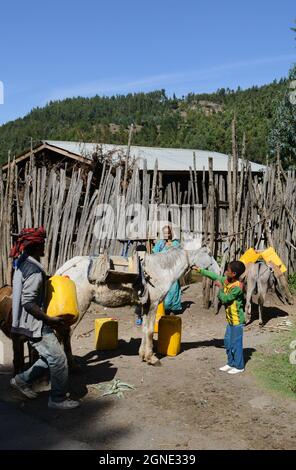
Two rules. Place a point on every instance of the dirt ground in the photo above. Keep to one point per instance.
(187, 403)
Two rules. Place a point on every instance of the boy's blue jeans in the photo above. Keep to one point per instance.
(233, 342)
(52, 356)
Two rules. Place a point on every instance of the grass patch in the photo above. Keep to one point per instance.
(271, 365)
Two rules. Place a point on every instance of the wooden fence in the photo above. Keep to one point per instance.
(231, 211)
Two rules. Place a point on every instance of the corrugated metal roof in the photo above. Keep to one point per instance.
(169, 159)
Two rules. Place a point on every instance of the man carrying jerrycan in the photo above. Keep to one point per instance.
(29, 319)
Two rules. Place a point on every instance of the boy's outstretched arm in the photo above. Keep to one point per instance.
(229, 298)
(210, 274)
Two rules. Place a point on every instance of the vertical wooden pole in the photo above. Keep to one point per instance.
(195, 179)
(10, 183)
(210, 222)
(127, 157)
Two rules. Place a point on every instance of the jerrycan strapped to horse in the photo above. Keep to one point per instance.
(269, 255)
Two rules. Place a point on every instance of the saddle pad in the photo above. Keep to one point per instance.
(98, 269)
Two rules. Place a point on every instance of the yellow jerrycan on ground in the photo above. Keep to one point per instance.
(160, 312)
(61, 299)
(169, 335)
(106, 334)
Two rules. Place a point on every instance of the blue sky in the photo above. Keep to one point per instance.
(57, 49)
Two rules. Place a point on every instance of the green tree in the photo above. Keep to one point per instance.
(283, 132)
(160, 120)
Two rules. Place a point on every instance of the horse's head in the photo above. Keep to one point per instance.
(203, 258)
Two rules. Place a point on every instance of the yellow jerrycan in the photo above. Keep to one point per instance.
(106, 334)
(269, 255)
(250, 256)
(160, 312)
(169, 335)
(61, 299)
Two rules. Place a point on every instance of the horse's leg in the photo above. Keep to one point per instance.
(149, 355)
(146, 348)
(248, 307)
(262, 291)
(145, 323)
(143, 342)
(260, 310)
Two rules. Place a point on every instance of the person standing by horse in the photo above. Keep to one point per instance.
(231, 295)
(172, 301)
(30, 320)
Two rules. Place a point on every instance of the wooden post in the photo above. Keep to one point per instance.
(195, 179)
(230, 206)
(210, 226)
(9, 219)
(234, 184)
(194, 199)
(127, 157)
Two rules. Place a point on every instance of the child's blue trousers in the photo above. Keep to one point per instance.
(233, 342)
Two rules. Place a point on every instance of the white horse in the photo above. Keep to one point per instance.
(161, 271)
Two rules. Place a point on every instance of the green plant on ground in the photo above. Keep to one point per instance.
(272, 367)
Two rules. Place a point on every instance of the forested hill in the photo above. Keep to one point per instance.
(198, 121)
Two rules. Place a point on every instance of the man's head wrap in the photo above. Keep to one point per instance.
(27, 237)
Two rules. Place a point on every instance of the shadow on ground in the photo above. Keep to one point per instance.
(96, 366)
(215, 343)
(124, 348)
(31, 421)
(30, 425)
(268, 313)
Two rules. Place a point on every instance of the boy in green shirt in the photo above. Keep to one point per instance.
(231, 295)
